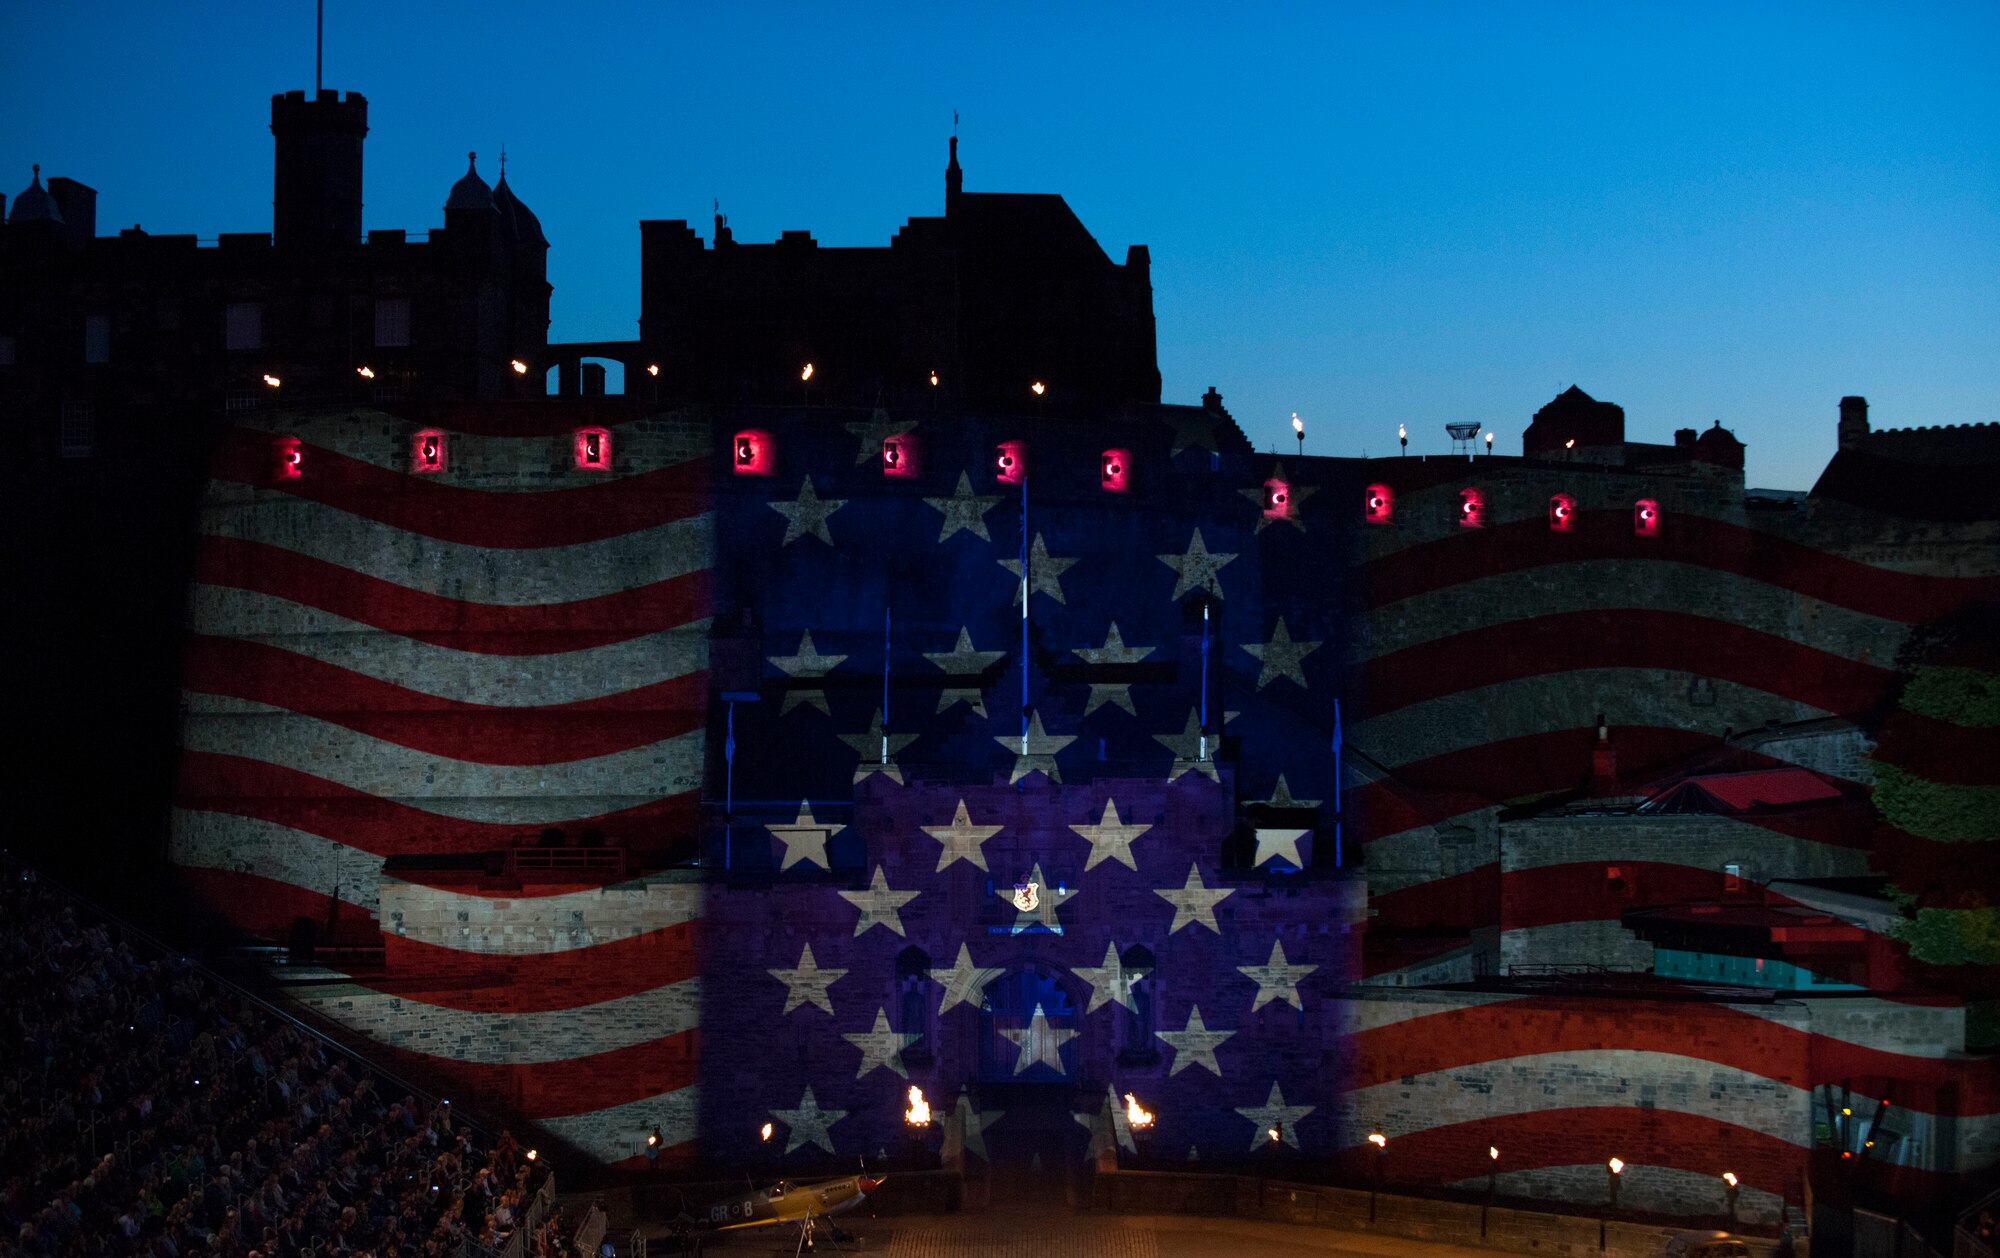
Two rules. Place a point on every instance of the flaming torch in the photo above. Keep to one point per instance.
(918, 1116)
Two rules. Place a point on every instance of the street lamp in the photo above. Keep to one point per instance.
(1403, 439)
(1729, 1195)
(1615, 1167)
(805, 383)
(1381, 1143)
(1489, 443)
(1299, 428)
(1492, 1175)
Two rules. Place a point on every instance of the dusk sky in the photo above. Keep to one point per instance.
(1365, 213)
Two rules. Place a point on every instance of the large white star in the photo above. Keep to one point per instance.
(881, 1048)
(804, 839)
(807, 985)
(876, 755)
(964, 661)
(879, 905)
(1110, 839)
(1039, 753)
(1281, 657)
(1198, 568)
(1276, 980)
(808, 514)
(964, 982)
(1110, 1128)
(1114, 651)
(874, 431)
(1194, 1044)
(965, 1130)
(807, 663)
(1194, 427)
(1039, 1042)
(1108, 982)
(1272, 844)
(808, 1123)
(1295, 492)
(1044, 573)
(1275, 1114)
(1281, 797)
(1047, 900)
(1194, 902)
(962, 840)
(1188, 746)
(964, 510)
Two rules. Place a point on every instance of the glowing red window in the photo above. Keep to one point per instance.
(289, 461)
(1646, 518)
(1114, 471)
(899, 456)
(593, 449)
(1471, 508)
(1381, 504)
(427, 452)
(1010, 462)
(754, 453)
(1562, 514)
(1277, 500)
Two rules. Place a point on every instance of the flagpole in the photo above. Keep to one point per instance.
(1024, 611)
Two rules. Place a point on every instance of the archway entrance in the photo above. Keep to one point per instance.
(1028, 1028)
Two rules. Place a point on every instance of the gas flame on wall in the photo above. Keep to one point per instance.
(1134, 1114)
(919, 1113)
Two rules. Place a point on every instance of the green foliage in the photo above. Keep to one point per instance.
(1949, 814)
(1962, 696)
(1953, 936)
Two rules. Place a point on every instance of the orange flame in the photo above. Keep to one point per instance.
(919, 1113)
(1134, 1114)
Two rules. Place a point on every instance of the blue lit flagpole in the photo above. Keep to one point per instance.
(1024, 609)
(886, 623)
(1204, 679)
(1337, 739)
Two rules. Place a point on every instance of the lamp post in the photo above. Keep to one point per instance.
(1299, 430)
(1614, 1168)
(805, 384)
(1729, 1195)
(1038, 389)
(1403, 439)
(917, 1123)
(1381, 1143)
(1492, 1175)
(1489, 443)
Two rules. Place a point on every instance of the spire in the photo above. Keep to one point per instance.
(470, 192)
(35, 205)
(954, 178)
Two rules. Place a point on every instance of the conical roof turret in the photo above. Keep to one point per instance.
(470, 192)
(35, 205)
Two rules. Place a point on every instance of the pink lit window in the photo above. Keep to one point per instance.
(1471, 508)
(1277, 500)
(593, 449)
(1010, 462)
(754, 453)
(1646, 518)
(1562, 514)
(1114, 471)
(1380, 503)
(427, 452)
(899, 456)
(290, 458)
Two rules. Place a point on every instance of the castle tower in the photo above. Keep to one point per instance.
(1853, 422)
(954, 179)
(316, 193)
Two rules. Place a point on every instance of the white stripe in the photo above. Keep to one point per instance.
(1665, 1190)
(523, 680)
(475, 574)
(523, 925)
(1622, 585)
(213, 840)
(1603, 941)
(1887, 1026)
(620, 1132)
(509, 1039)
(1563, 700)
(1359, 1012)
(500, 794)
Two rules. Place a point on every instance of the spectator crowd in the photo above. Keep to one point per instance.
(149, 1110)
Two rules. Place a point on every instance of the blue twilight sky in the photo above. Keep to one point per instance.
(1368, 213)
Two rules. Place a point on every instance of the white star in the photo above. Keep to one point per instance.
(880, 1047)
(1110, 839)
(1187, 748)
(1109, 1127)
(964, 661)
(807, 663)
(1276, 980)
(964, 510)
(1044, 573)
(870, 747)
(1296, 493)
(1275, 1113)
(961, 839)
(807, 985)
(1194, 1044)
(1108, 982)
(873, 432)
(1197, 569)
(1193, 902)
(964, 982)
(1114, 651)
(1275, 843)
(1281, 657)
(1193, 427)
(965, 1130)
(808, 1123)
(1048, 899)
(1039, 1042)
(1281, 797)
(804, 839)
(1039, 756)
(879, 905)
(807, 515)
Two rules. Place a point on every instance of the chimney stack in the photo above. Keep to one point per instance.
(1853, 422)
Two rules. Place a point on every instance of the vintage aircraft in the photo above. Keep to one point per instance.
(809, 1207)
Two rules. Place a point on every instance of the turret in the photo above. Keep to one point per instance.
(954, 179)
(1853, 422)
(316, 191)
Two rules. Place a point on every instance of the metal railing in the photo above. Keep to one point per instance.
(1966, 1242)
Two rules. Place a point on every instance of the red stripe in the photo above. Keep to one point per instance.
(516, 519)
(266, 907)
(541, 981)
(1551, 895)
(1938, 751)
(475, 732)
(487, 628)
(522, 417)
(1469, 554)
(1568, 641)
(287, 797)
(574, 1085)
(674, 1157)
